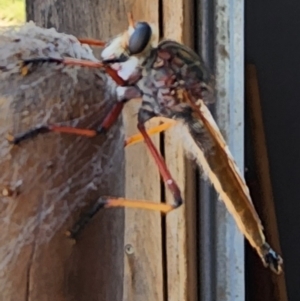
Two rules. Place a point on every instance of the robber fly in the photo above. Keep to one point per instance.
(172, 82)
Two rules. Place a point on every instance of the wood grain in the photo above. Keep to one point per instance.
(181, 223)
(60, 175)
(120, 254)
(144, 268)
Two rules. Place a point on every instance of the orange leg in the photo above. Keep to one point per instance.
(106, 124)
(76, 62)
(137, 138)
(110, 202)
(162, 167)
(152, 131)
(92, 42)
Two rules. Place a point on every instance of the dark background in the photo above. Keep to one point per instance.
(273, 45)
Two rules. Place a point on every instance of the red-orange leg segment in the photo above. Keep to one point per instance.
(76, 62)
(92, 42)
(85, 63)
(111, 117)
(162, 167)
(152, 131)
(110, 202)
(109, 120)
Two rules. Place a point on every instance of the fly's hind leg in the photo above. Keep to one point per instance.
(110, 202)
(152, 131)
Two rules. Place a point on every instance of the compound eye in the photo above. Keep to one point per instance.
(140, 38)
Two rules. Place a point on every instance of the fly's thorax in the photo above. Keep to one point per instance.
(168, 71)
(127, 93)
(153, 103)
(161, 74)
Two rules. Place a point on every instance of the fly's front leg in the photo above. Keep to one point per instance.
(67, 61)
(123, 94)
(92, 42)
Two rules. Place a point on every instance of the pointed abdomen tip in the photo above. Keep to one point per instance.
(273, 261)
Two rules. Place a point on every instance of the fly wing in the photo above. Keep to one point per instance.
(217, 162)
(192, 89)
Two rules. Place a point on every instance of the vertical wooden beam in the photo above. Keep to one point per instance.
(178, 24)
(98, 255)
(143, 266)
(54, 176)
(94, 266)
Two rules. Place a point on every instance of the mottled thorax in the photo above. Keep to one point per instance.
(170, 69)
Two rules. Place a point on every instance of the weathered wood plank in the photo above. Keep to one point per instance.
(58, 176)
(144, 268)
(180, 224)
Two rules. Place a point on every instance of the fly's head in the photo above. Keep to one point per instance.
(127, 52)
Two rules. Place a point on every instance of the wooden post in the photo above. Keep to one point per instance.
(143, 266)
(142, 245)
(44, 182)
(180, 224)
(151, 258)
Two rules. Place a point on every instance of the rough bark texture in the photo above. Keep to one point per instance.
(46, 182)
